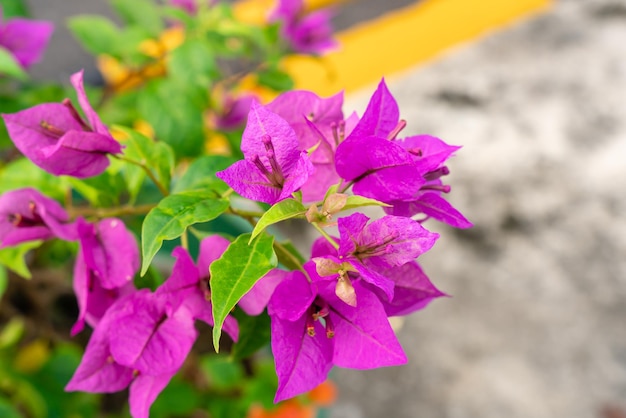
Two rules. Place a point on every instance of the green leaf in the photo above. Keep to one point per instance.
(275, 79)
(283, 210)
(157, 156)
(254, 334)
(12, 332)
(96, 34)
(169, 219)
(101, 191)
(7, 410)
(201, 174)
(23, 173)
(13, 8)
(175, 112)
(359, 201)
(142, 13)
(222, 372)
(13, 257)
(10, 66)
(193, 62)
(4, 280)
(234, 274)
(288, 255)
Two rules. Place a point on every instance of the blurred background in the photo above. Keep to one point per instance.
(536, 325)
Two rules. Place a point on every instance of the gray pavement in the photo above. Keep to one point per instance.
(536, 327)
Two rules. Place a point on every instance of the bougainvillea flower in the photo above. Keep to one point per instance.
(381, 117)
(378, 168)
(274, 166)
(372, 249)
(27, 215)
(25, 39)
(234, 112)
(106, 263)
(319, 126)
(190, 6)
(137, 342)
(413, 290)
(189, 285)
(57, 139)
(429, 154)
(312, 330)
(306, 33)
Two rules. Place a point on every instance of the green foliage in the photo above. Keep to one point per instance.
(100, 191)
(281, 211)
(13, 8)
(22, 173)
(13, 257)
(9, 66)
(157, 157)
(288, 255)
(201, 174)
(356, 201)
(141, 13)
(175, 113)
(171, 217)
(234, 274)
(96, 34)
(254, 334)
(193, 63)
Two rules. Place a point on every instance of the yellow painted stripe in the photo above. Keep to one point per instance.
(256, 11)
(402, 39)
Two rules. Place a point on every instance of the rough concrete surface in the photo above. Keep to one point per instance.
(536, 327)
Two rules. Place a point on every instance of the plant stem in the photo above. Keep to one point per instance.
(75, 212)
(149, 172)
(325, 235)
(184, 240)
(346, 187)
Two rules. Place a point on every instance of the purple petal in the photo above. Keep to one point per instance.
(144, 391)
(413, 290)
(292, 297)
(78, 154)
(110, 251)
(27, 215)
(380, 168)
(263, 122)
(144, 338)
(93, 299)
(375, 278)
(312, 33)
(363, 337)
(298, 176)
(438, 208)
(397, 240)
(182, 284)
(235, 112)
(211, 248)
(302, 361)
(432, 151)
(299, 106)
(26, 39)
(94, 120)
(245, 178)
(350, 229)
(257, 298)
(321, 247)
(201, 308)
(97, 371)
(381, 115)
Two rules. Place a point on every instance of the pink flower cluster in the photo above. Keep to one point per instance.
(333, 311)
